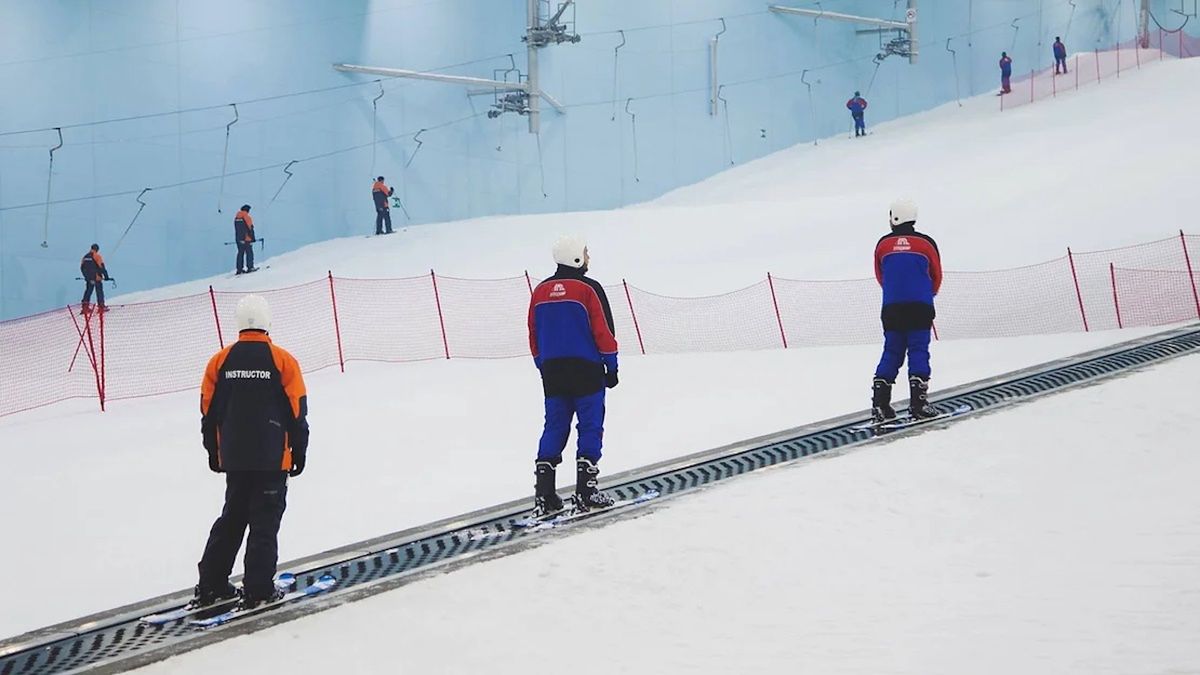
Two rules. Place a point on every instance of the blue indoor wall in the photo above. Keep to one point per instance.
(72, 62)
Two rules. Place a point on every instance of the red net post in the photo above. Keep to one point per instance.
(933, 325)
(212, 296)
(441, 317)
(1191, 275)
(1077, 72)
(529, 282)
(1097, 65)
(79, 345)
(1118, 60)
(778, 316)
(1112, 272)
(1054, 85)
(636, 328)
(1032, 77)
(87, 327)
(1078, 293)
(103, 373)
(337, 325)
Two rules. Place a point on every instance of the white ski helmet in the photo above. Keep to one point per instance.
(903, 210)
(571, 251)
(253, 313)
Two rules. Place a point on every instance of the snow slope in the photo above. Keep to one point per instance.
(1056, 537)
(1080, 170)
(128, 495)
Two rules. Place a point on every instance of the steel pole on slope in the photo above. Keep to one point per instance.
(533, 81)
(1191, 276)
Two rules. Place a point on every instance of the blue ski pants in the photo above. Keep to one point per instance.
(860, 123)
(899, 343)
(560, 410)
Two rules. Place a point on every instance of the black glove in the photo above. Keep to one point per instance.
(299, 455)
(214, 462)
(610, 379)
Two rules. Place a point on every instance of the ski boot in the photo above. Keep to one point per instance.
(918, 398)
(206, 597)
(545, 501)
(248, 602)
(587, 496)
(881, 401)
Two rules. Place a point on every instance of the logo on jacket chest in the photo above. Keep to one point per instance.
(558, 291)
(902, 245)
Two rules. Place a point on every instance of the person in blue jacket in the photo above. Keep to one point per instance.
(574, 346)
(1005, 73)
(1060, 56)
(908, 267)
(857, 106)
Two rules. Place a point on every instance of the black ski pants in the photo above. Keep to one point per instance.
(383, 217)
(256, 499)
(87, 293)
(245, 253)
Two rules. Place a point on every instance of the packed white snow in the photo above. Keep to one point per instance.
(1061, 536)
(103, 510)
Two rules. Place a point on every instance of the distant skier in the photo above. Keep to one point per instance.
(909, 269)
(243, 236)
(94, 274)
(1060, 56)
(1005, 73)
(857, 106)
(383, 213)
(254, 410)
(571, 336)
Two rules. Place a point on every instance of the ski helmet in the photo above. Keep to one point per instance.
(253, 313)
(571, 251)
(903, 211)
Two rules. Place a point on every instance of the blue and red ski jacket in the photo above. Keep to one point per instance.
(571, 333)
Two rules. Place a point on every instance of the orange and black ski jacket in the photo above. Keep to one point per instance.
(253, 398)
(243, 227)
(91, 268)
(380, 193)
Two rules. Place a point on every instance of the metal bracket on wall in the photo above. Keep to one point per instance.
(225, 156)
(905, 44)
(713, 85)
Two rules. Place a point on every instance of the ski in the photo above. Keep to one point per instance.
(326, 582)
(573, 515)
(285, 581)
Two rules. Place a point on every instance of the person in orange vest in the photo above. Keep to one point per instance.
(94, 274)
(243, 236)
(383, 214)
(254, 424)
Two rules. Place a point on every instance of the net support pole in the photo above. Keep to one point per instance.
(337, 325)
(636, 328)
(1078, 293)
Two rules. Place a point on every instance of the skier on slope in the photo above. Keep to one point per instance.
(383, 213)
(857, 106)
(243, 236)
(94, 273)
(1005, 73)
(572, 339)
(909, 269)
(1060, 56)
(254, 409)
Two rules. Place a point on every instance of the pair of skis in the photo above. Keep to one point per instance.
(567, 516)
(908, 421)
(228, 609)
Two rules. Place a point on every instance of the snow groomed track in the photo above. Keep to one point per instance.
(115, 641)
